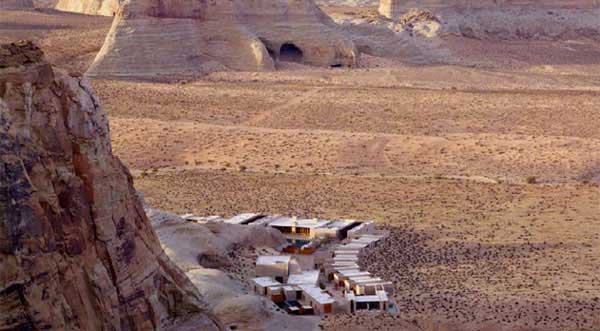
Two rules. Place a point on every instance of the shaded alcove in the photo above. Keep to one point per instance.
(290, 53)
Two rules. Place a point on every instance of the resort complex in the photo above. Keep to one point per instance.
(317, 271)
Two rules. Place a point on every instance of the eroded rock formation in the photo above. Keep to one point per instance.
(151, 38)
(90, 7)
(77, 251)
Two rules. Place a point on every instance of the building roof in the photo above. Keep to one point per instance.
(345, 256)
(346, 252)
(347, 270)
(339, 224)
(265, 220)
(317, 294)
(361, 225)
(273, 259)
(352, 273)
(345, 259)
(344, 266)
(275, 288)
(380, 296)
(366, 280)
(352, 246)
(306, 277)
(193, 218)
(366, 239)
(266, 281)
(242, 218)
(300, 223)
(213, 218)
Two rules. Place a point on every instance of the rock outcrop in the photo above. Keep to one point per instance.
(16, 4)
(394, 8)
(498, 19)
(153, 38)
(77, 251)
(187, 243)
(90, 7)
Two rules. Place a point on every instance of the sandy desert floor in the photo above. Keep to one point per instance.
(487, 175)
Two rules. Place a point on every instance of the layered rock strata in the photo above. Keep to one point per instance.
(90, 7)
(153, 38)
(77, 251)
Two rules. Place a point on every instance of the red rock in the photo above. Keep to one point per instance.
(77, 251)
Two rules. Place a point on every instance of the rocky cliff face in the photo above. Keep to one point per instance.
(151, 38)
(77, 251)
(90, 7)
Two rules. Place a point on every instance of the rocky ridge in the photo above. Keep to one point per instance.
(77, 250)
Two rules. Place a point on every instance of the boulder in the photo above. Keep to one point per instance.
(77, 251)
(244, 309)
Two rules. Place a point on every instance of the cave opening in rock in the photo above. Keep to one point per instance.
(272, 53)
(290, 53)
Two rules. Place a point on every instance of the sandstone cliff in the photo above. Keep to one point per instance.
(77, 251)
(394, 8)
(90, 7)
(151, 38)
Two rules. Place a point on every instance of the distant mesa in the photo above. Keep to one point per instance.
(16, 4)
(154, 38)
(394, 8)
(90, 7)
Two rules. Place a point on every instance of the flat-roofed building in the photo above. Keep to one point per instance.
(341, 275)
(260, 285)
(345, 252)
(275, 293)
(301, 227)
(319, 300)
(351, 282)
(193, 218)
(330, 269)
(265, 221)
(292, 292)
(371, 287)
(361, 229)
(352, 246)
(309, 277)
(313, 228)
(276, 266)
(243, 219)
(379, 301)
(336, 229)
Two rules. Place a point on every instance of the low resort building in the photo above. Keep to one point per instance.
(332, 280)
(275, 266)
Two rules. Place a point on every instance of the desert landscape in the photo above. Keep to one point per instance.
(470, 134)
